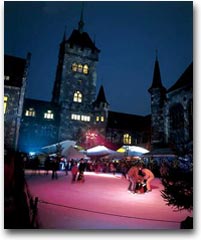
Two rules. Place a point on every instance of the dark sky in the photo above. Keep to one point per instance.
(127, 33)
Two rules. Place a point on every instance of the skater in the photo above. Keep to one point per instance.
(81, 170)
(133, 177)
(148, 177)
(55, 168)
(74, 171)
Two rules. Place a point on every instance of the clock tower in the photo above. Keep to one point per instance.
(75, 83)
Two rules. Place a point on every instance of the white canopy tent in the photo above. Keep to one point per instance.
(72, 153)
(64, 146)
(131, 150)
(99, 150)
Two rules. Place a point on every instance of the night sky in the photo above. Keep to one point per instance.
(127, 33)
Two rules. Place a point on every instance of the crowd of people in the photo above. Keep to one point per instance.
(139, 178)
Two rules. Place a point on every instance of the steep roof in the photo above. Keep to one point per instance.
(101, 97)
(82, 39)
(156, 83)
(124, 121)
(185, 80)
(14, 67)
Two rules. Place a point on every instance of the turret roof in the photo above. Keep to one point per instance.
(82, 39)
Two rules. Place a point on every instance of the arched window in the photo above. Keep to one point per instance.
(126, 138)
(176, 117)
(77, 97)
(74, 67)
(85, 69)
(80, 67)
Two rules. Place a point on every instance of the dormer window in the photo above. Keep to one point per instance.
(77, 97)
(49, 114)
(30, 112)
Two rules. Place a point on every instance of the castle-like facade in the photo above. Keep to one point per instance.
(76, 113)
(172, 111)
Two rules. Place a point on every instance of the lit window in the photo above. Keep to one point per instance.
(49, 114)
(74, 67)
(7, 78)
(102, 118)
(75, 116)
(30, 112)
(85, 118)
(77, 97)
(5, 103)
(80, 67)
(85, 69)
(126, 139)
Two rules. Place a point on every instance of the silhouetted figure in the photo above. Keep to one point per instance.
(81, 170)
(55, 167)
(47, 165)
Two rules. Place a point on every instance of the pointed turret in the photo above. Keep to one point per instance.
(156, 83)
(158, 96)
(81, 22)
(101, 99)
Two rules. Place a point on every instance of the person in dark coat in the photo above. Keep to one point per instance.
(81, 169)
(47, 165)
(55, 167)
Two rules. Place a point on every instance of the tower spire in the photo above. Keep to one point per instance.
(156, 83)
(81, 22)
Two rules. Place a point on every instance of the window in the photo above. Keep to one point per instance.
(7, 78)
(77, 97)
(78, 117)
(85, 118)
(49, 114)
(74, 67)
(30, 112)
(80, 67)
(100, 118)
(75, 117)
(126, 139)
(177, 117)
(5, 103)
(85, 69)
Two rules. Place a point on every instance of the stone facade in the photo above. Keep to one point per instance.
(172, 110)
(15, 79)
(79, 114)
(76, 78)
(39, 127)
